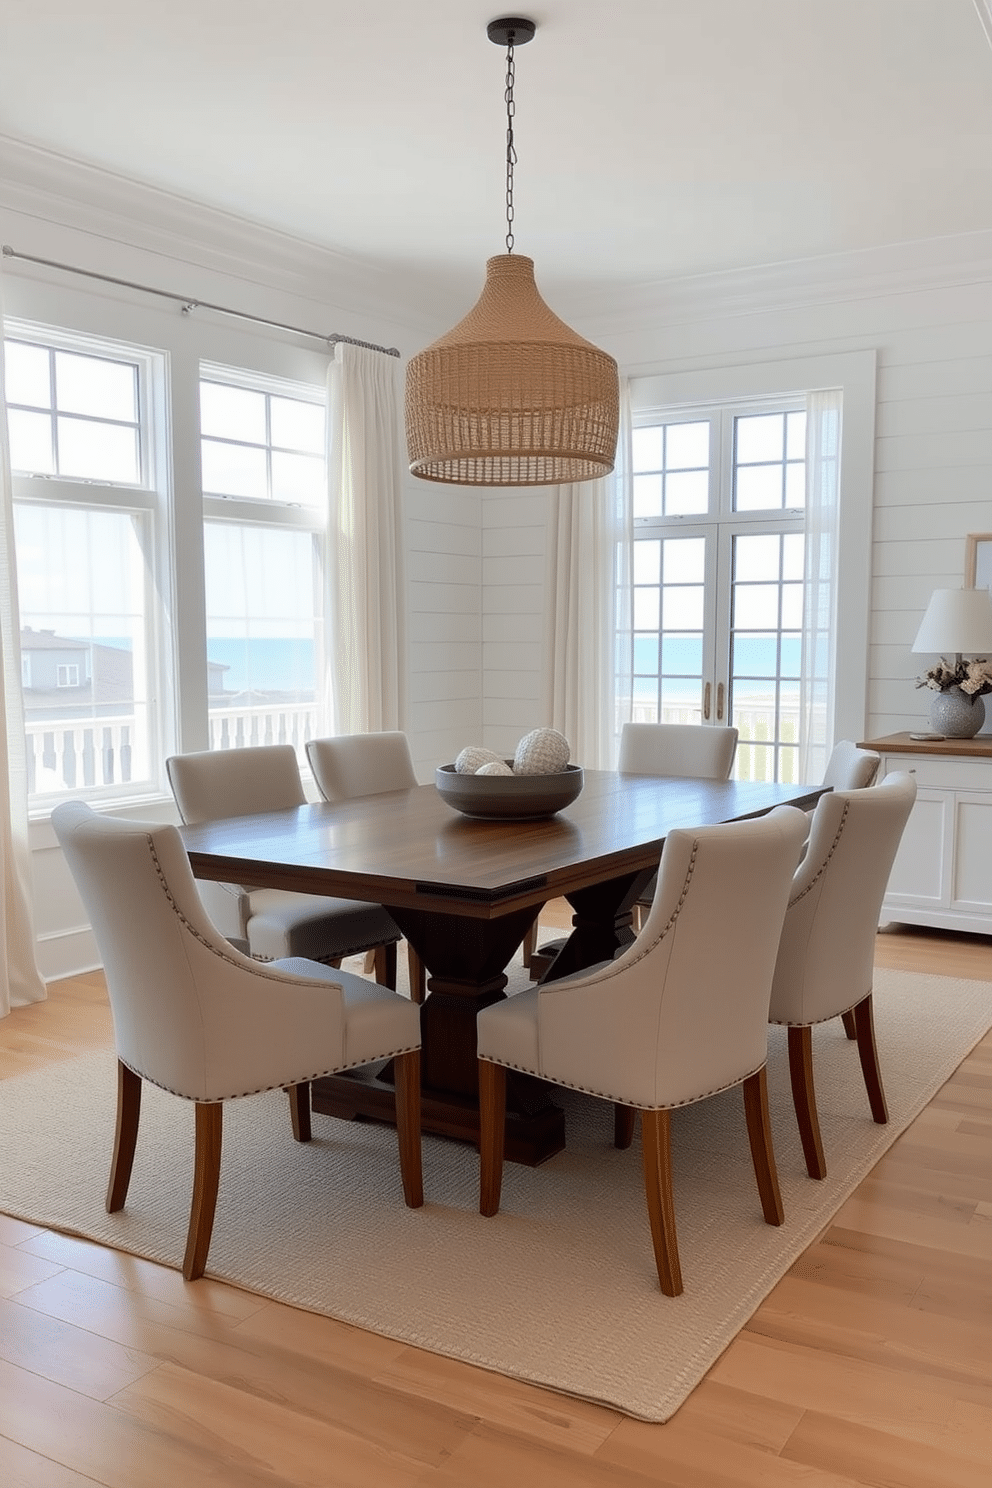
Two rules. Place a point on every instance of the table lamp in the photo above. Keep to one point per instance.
(956, 621)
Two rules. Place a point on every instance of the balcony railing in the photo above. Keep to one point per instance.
(86, 754)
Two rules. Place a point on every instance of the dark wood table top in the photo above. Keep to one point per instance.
(409, 849)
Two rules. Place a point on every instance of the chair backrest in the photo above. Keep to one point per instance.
(352, 765)
(851, 768)
(219, 783)
(698, 749)
(826, 957)
(684, 1010)
(184, 1003)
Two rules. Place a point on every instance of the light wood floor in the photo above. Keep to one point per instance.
(870, 1363)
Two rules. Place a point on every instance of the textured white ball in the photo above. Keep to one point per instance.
(473, 757)
(544, 751)
(494, 767)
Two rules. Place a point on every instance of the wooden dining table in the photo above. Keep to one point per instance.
(464, 892)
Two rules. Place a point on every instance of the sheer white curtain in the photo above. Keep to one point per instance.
(588, 668)
(365, 543)
(819, 660)
(21, 981)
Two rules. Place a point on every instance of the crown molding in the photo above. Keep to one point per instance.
(870, 273)
(104, 207)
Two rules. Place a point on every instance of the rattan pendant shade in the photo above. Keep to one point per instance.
(511, 396)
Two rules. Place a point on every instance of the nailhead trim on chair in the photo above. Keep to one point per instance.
(823, 866)
(546, 988)
(218, 951)
(625, 1100)
(781, 1023)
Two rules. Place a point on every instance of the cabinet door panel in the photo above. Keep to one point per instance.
(919, 872)
(972, 868)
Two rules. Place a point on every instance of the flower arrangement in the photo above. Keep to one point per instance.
(972, 677)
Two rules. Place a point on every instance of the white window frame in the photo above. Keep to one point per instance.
(266, 512)
(148, 499)
(854, 373)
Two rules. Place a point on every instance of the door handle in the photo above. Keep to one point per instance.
(706, 700)
(719, 700)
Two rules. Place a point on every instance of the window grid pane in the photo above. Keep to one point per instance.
(769, 461)
(765, 655)
(73, 415)
(672, 469)
(261, 446)
(668, 629)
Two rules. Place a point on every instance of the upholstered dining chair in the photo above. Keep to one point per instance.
(851, 768)
(679, 1016)
(826, 957)
(272, 923)
(350, 765)
(703, 751)
(197, 1017)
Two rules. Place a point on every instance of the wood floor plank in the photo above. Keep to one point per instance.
(876, 1457)
(577, 1426)
(103, 1443)
(20, 1269)
(68, 1355)
(265, 1436)
(21, 1468)
(384, 1417)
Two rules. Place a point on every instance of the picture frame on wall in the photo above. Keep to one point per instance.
(978, 560)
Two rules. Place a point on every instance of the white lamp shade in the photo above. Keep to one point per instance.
(956, 620)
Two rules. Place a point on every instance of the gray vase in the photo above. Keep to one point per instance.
(956, 714)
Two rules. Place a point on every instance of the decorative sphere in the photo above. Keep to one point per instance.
(494, 767)
(544, 751)
(473, 757)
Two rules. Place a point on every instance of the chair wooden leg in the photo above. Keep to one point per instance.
(418, 974)
(759, 1134)
(206, 1176)
(125, 1136)
(492, 1134)
(868, 1053)
(530, 945)
(849, 1025)
(299, 1110)
(804, 1099)
(385, 965)
(406, 1077)
(656, 1141)
(624, 1120)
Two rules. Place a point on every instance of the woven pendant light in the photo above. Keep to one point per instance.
(511, 396)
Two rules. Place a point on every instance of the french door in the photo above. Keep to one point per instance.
(718, 577)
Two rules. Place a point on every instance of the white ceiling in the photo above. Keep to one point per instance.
(656, 138)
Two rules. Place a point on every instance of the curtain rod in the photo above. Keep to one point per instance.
(189, 303)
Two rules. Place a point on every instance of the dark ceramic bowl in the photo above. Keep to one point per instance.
(508, 797)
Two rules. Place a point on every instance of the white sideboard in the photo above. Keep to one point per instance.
(942, 874)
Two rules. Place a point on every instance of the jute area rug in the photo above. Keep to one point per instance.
(558, 1289)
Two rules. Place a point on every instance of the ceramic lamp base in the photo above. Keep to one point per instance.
(956, 714)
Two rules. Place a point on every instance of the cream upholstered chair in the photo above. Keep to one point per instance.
(680, 1015)
(700, 750)
(851, 768)
(350, 765)
(704, 751)
(272, 923)
(826, 957)
(194, 1015)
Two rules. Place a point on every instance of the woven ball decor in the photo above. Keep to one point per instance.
(473, 757)
(544, 751)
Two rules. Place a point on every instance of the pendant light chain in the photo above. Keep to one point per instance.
(511, 154)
